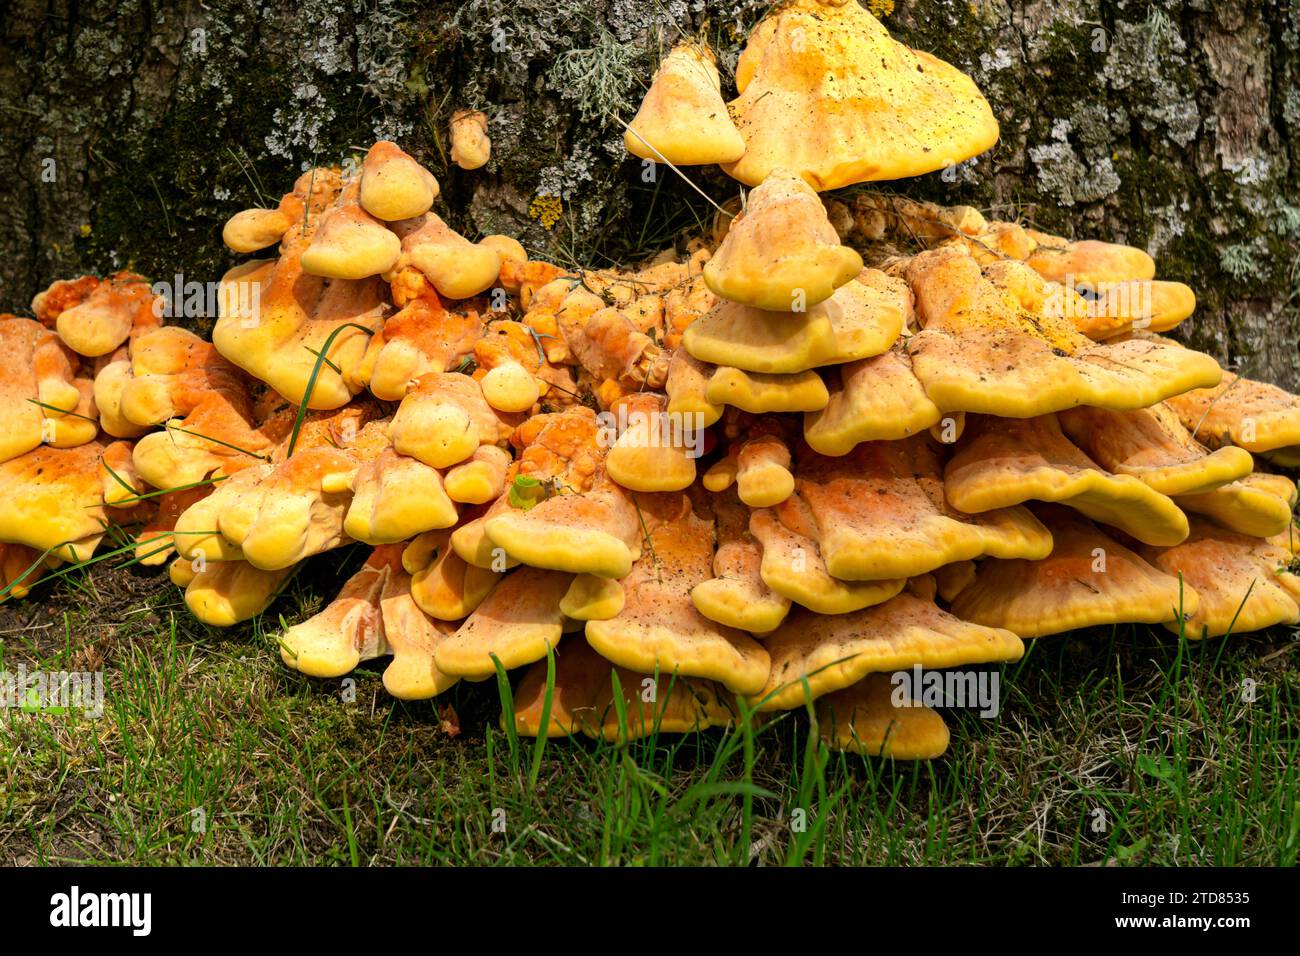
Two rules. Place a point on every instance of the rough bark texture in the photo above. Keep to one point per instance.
(132, 130)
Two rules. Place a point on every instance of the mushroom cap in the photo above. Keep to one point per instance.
(481, 479)
(393, 185)
(760, 392)
(20, 568)
(876, 399)
(423, 337)
(1114, 308)
(763, 476)
(443, 420)
(1241, 582)
(791, 564)
(470, 146)
(582, 699)
(350, 243)
(687, 384)
(1005, 462)
(859, 320)
(510, 388)
(277, 514)
(782, 254)
(992, 344)
(880, 513)
(412, 638)
(736, 596)
(53, 499)
(592, 532)
(228, 592)
(94, 318)
(659, 631)
(649, 454)
(1151, 444)
(864, 719)
(458, 268)
(580, 676)
(829, 94)
(514, 625)
(951, 579)
(1288, 457)
(348, 630)
(1088, 261)
(1258, 505)
(836, 651)
(1089, 579)
(295, 313)
(1253, 415)
(252, 229)
(683, 118)
(396, 498)
(21, 419)
(592, 598)
(195, 531)
(443, 585)
(176, 379)
(156, 540)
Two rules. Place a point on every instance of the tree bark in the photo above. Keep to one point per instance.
(132, 130)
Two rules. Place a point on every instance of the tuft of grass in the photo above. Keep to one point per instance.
(1124, 745)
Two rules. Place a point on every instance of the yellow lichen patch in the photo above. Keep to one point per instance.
(546, 209)
(1005, 462)
(814, 655)
(1088, 579)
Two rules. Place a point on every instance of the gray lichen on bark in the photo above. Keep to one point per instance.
(1169, 125)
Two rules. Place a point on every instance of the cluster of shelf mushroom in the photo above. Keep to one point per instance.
(770, 466)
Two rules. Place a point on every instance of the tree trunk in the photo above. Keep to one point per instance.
(132, 130)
